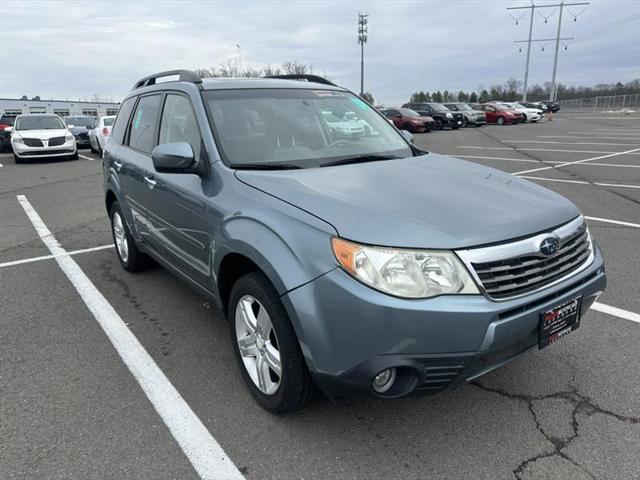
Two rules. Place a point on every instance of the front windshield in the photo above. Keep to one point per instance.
(80, 121)
(438, 107)
(299, 127)
(52, 122)
(463, 107)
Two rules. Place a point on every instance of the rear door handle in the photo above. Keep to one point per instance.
(150, 182)
(118, 165)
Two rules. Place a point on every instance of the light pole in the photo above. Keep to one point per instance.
(363, 30)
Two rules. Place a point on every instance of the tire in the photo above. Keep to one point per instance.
(500, 121)
(74, 156)
(293, 389)
(438, 124)
(407, 127)
(524, 118)
(17, 159)
(133, 260)
(465, 122)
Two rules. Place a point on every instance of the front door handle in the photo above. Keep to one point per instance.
(150, 182)
(118, 165)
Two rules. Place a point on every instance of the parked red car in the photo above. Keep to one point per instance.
(407, 119)
(500, 114)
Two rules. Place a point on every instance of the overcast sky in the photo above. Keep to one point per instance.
(75, 49)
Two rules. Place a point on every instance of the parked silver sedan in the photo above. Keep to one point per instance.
(100, 132)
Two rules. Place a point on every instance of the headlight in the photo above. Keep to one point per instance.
(69, 137)
(16, 139)
(449, 115)
(405, 273)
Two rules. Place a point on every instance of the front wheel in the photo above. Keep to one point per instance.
(465, 122)
(500, 121)
(17, 159)
(266, 347)
(438, 124)
(74, 156)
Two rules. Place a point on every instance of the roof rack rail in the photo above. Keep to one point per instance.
(183, 76)
(304, 77)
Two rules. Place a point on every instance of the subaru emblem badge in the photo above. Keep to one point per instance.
(549, 246)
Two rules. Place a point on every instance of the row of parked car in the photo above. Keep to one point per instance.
(420, 117)
(47, 135)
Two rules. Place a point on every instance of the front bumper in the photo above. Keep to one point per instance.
(476, 120)
(24, 151)
(82, 139)
(349, 332)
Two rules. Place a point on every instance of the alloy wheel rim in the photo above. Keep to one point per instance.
(258, 345)
(120, 237)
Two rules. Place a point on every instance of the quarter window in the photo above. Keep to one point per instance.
(179, 123)
(143, 124)
(117, 134)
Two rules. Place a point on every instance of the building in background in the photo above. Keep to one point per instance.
(64, 108)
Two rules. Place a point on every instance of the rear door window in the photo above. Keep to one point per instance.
(143, 124)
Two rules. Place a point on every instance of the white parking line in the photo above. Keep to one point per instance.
(551, 162)
(555, 142)
(579, 182)
(87, 158)
(526, 160)
(526, 149)
(578, 135)
(627, 152)
(615, 222)
(47, 257)
(203, 451)
(616, 312)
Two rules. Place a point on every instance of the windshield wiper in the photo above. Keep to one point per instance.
(360, 159)
(265, 166)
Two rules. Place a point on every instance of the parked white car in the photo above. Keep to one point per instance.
(530, 114)
(41, 136)
(100, 133)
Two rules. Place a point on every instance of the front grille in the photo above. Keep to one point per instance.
(55, 141)
(42, 153)
(518, 275)
(32, 142)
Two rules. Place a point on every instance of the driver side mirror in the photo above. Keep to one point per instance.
(173, 158)
(408, 136)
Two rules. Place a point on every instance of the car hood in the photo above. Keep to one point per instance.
(42, 134)
(76, 130)
(430, 201)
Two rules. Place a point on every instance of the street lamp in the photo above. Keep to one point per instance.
(363, 29)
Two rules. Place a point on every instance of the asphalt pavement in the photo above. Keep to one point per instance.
(72, 407)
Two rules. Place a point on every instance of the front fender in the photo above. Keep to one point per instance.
(290, 252)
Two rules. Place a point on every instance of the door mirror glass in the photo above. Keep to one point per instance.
(173, 157)
(407, 135)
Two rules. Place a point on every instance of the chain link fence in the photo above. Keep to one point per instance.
(603, 103)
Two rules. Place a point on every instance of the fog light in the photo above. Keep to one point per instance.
(384, 380)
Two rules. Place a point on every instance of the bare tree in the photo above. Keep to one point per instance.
(293, 67)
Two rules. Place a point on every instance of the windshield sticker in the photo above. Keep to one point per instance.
(136, 121)
(327, 93)
(359, 103)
